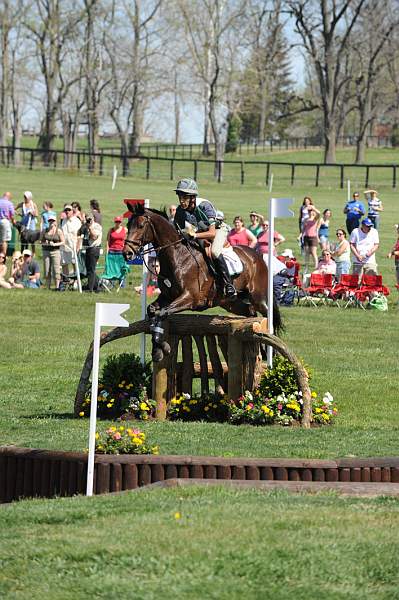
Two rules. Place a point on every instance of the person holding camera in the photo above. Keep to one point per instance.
(52, 238)
(92, 234)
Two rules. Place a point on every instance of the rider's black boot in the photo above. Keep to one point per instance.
(223, 272)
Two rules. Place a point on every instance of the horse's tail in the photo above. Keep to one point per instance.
(278, 324)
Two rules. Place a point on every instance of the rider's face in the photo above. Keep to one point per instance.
(185, 200)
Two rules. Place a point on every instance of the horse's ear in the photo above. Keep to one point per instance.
(135, 209)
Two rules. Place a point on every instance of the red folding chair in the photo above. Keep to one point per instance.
(345, 290)
(369, 286)
(320, 288)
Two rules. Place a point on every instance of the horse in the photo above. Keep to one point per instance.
(186, 281)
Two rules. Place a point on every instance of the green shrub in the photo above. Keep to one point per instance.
(281, 379)
(122, 389)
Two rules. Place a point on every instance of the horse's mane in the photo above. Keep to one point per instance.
(161, 213)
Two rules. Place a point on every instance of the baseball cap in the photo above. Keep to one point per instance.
(28, 195)
(68, 207)
(368, 222)
(118, 219)
(51, 218)
(26, 253)
(288, 253)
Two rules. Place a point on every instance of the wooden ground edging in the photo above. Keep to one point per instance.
(27, 472)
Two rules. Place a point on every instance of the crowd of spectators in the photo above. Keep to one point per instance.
(77, 235)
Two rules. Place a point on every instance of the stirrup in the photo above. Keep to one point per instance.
(229, 290)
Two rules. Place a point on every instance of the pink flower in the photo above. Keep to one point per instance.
(250, 405)
(279, 406)
(117, 435)
(136, 431)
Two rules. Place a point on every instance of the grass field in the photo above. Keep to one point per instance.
(228, 544)
(225, 545)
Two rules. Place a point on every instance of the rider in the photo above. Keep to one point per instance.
(200, 216)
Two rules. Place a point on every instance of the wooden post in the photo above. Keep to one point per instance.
(235, 383)
(160, 382)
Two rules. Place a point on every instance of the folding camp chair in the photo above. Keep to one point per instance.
(370, 285)
(115, 272)
(319, 290)
(292, 290)
(345, 289)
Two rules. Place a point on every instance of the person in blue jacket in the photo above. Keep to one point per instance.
(354, 211)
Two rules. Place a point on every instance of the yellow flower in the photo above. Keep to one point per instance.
(177, 516)
(206, 408)
(174, 401)
(97, 436)
(113, 428)
(155, 449)
(121, 429)
(99, 447)
(109, 405)
(318, 410)
(314, 394)
(325, 417)
(144, 406)
(81, 414)
(271, 413)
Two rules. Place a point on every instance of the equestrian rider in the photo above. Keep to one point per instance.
(197, 217)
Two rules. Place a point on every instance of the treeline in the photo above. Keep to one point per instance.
(88, 65)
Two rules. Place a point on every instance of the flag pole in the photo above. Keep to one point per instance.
(270, 280)
(93, 403)
(144, 279)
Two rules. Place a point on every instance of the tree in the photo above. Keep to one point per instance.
(325, 28)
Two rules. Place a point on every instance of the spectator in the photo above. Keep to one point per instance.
(375, 207)
(52, 238)
(96, 211)
(116, 237)
(17, 261)
(77, 211)
(310, 238)
(342, 254)
(354, 211)
(304, 213)
(45, 214)
(364, 242)
(7, 213)
(256, 223)
(324, 228)
(29, 214)
(70, 226)
(152, 285)
(3, 272)
(239, 235)
(92, 233)
(262, 246)
(395, 253)
(30, 271)
(172, 212)
(326, 264)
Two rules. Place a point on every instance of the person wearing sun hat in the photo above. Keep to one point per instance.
(70, 226)
(364, 242)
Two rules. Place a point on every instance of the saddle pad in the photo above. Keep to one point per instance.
(233, 261)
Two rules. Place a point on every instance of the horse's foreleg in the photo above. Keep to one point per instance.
(154, 307)
(183, 302)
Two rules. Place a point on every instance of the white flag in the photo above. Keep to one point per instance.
(281, 207)
(110, 314)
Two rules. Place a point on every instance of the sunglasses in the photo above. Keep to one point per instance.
(339, 233)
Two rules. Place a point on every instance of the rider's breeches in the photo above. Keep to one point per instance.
(219, 240)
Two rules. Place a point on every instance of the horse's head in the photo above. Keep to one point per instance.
(139, 233)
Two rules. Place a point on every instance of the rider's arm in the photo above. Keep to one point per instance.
(206, 235)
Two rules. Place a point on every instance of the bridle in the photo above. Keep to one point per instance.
(138, 247)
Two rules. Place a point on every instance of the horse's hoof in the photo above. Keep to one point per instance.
(157, 355)
(165, 347)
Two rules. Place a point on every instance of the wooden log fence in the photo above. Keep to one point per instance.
(95, 163)
(29, 472)
(236, 340)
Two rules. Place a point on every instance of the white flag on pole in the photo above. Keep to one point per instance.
(110, 314)
(106, 314)
(281, 207)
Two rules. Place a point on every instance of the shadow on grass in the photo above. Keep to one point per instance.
(49, 415)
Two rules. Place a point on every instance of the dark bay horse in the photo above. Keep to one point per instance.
(185, 280)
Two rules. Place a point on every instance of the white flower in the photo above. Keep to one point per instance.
(327, 398)
(186, 396)
(249, 396)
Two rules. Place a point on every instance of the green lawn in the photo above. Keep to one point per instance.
(227, 544)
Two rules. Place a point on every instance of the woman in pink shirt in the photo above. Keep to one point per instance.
(262, 246)
(240, 236)
(311, 238)
(116, 237)
(326, 264)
